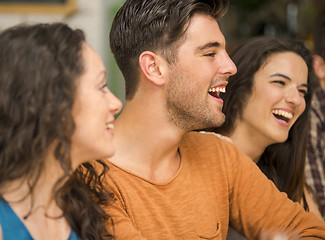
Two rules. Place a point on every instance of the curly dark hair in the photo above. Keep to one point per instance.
(39, 65)
(154, 25)
(283, 163)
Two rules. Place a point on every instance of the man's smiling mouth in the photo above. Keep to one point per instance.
(215, 91)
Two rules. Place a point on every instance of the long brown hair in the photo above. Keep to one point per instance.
(283, 163)
(39, 65)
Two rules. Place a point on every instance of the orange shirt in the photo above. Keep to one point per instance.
(214, 184)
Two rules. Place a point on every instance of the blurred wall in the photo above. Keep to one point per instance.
(92, 16)
(278, 18)
(245, 19)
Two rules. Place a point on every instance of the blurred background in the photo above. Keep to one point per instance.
(245, 19)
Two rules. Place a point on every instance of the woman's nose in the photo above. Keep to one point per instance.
(114, 103)
(294, 96)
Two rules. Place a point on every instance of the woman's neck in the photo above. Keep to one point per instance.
(18, 191)
(248, 143)
(37, 209)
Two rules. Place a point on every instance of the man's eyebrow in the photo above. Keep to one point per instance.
(209, 45)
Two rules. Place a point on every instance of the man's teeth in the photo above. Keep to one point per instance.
(110, 126)
(282, 113)
(218, 89)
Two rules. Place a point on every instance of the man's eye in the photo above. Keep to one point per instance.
(210, 54)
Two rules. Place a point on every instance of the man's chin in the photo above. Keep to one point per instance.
(217, 121)
(208, 125)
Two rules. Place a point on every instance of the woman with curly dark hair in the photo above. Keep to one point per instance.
(56, 115)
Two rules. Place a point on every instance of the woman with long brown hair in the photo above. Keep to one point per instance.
(266, 106)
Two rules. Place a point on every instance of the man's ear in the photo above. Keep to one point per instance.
(319, 66)
(150, 65)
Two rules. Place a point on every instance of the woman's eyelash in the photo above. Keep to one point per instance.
(279, 82)
(304, 92)
(103, 86)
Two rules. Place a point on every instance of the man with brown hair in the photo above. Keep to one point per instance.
(170, 182)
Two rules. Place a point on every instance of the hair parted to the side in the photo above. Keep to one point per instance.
(39, 67)
(283, 163)
(154, 25)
